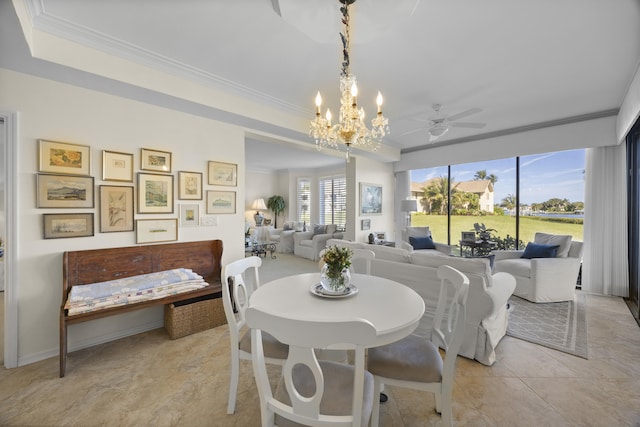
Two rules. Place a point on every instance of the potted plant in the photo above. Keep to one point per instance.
(483, 233)
(276, 204)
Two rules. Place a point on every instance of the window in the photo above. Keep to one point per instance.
(516, 197)
(333, 200)
(304, 200)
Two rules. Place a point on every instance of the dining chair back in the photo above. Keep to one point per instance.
(313, 392)
(415, 362)
(235, 300)
(365, 256)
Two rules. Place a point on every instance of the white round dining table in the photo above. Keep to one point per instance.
(393, 308)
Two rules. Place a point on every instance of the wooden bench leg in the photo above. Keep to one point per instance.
(63, 344)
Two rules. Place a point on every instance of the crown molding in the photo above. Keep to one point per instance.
(44, 21)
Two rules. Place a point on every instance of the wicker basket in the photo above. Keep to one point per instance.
(191, 316)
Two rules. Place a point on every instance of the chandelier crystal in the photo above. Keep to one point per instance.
(351, 129)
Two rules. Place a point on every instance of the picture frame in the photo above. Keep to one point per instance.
(155, 193)
(59, 226)
(380, 236)
(117, 166)
(116, 208)
(156, 230)
(221, 202)
(189, 215)
(64, 158)
(155, 160)
(365, 224)
(468, 236)
(370, 199)
(223, 174)
(64, 191)
(189, 185)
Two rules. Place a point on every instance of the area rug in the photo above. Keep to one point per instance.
(558, 325)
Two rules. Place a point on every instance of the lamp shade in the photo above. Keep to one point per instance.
(258, 204)
(408, 205)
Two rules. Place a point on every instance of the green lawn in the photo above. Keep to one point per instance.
(503, 224)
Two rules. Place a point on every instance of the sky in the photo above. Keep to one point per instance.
(542, 176)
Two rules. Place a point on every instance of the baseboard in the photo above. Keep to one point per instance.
(90, 342)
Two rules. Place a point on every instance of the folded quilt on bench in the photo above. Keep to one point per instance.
(100, 295)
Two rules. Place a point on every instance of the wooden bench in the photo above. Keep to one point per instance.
(99, 265)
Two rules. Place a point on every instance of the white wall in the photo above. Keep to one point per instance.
(260, 184)
(61, 112)
(362, 169)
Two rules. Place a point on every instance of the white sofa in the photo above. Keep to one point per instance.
(308, 244)
(487, 314)
(544, 279)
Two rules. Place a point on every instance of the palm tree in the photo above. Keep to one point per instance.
(482, 175)
(436, 195)
(509, 202)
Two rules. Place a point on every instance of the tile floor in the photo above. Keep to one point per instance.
(150, 380)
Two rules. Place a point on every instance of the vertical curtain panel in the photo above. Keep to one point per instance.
(605, 262)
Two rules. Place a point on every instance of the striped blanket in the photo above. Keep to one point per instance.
(96, 296)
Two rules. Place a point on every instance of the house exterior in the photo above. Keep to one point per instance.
(482, 188)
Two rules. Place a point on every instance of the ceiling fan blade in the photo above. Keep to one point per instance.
(413, 131)
(464, 114)
(468, 125)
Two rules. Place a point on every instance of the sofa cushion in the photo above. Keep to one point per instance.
(299, 226)
(422, 242)
(466, 265)
(563, 241)
(330, 228)
(516, 266)
(537, 250)
(288, 225)
(389, 253)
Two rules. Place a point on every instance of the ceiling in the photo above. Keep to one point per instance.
(523, 63)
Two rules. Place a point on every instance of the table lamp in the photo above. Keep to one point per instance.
(258, 204)
(408, 206)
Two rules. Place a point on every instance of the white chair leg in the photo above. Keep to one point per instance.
(233, 382)
(375, 411)
(446, 413)
(438, 398)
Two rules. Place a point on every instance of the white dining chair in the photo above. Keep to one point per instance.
(415, 362)
(362, 255)
(313, 392)
(235, 299)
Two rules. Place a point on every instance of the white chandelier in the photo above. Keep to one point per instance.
(351, 129)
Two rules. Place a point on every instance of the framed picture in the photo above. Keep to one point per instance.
(64, 158)
(64, 191)
(117, 166)
(221, 202)
(154, 160)
(365, 224)
(189, 185)
(116, 208)
(380, 236)
(58, 226)
(468, 236)
(156, 230)
(223, 174)
(189, 215)
(370, 199)
(155, 193)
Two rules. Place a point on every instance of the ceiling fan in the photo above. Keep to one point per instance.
(440, 123)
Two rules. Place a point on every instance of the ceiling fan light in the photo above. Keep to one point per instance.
(438, 130)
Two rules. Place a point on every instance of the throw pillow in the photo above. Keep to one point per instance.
(422, 242)
(299, 226)
(319, 229)
(537, 250)
(287, 226)
(563, 241)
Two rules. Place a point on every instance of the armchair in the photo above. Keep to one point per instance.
(284, 237)
(408, 232)
(308, 244)
(543, 279)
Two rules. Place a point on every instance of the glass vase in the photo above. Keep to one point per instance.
(335, 285)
